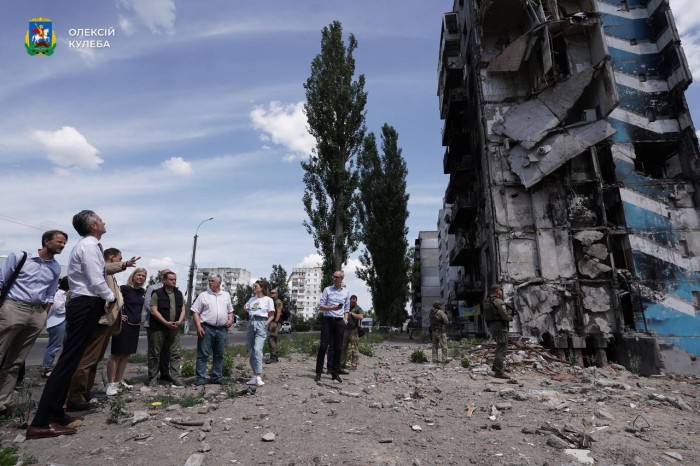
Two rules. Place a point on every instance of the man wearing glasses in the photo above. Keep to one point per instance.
(335, 304)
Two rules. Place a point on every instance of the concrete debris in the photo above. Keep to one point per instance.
(582, 456)
(587, 238)
(204, 447)
(140, 416)
(555, 442)
(595, 299)
(565, 145)
(416, 428)
(268, 437)
(591, 267)
(603, 414)
(599, 251)
(674, 455)
(532, 120)
(196, 459)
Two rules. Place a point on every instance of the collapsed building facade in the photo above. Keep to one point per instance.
(573, 173)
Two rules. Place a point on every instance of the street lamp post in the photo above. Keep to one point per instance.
(190, 279)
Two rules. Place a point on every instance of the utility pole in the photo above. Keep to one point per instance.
(190, 279)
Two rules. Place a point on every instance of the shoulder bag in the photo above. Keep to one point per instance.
(13, 278)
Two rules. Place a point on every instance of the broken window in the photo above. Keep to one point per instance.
(622, 255)
(658, 160)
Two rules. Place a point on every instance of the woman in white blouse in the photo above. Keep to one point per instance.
(261, 309)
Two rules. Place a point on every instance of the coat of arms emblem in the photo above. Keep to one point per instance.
(40, 38)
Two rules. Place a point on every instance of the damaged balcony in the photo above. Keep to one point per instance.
(450, 78)
(454, 131)
(469, 290)
(463, 251)
(449, 39)
(455, 160)
(463, 211)
(462, 181)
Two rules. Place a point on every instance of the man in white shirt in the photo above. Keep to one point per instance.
(212, 313)
(90, 295)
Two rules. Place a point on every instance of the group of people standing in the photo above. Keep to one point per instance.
(86, 309)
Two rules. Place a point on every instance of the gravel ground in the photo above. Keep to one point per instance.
(395, 412)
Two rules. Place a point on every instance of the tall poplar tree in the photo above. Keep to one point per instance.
(335, 111)
(383, 211)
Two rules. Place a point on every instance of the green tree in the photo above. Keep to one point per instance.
(335, 111)
(279, 279)
(242, 295)
(383, 211)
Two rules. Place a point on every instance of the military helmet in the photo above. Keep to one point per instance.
(437, 305)
(496, 286)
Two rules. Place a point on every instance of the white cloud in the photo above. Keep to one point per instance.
(178, 166)
(157, 15)
(68, 148)
(312, 260)
(687, 16)
(286, 126)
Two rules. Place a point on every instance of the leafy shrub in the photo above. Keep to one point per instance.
(187, 369)
(418, 356)
(466, 363)
(366, 350)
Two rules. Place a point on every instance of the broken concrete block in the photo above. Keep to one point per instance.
(597, 250)
(588, 237)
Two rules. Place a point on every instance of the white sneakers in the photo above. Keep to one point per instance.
(112, 389)
(256, 380)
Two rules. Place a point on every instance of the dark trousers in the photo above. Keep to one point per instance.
(332, 330)
(82, 316)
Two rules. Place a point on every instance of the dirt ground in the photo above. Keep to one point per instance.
(394, 412)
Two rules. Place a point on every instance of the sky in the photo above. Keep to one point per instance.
(195, 111)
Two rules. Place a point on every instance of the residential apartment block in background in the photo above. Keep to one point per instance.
(305, 287)
(427, 270)
(574, 174)
(232, 277)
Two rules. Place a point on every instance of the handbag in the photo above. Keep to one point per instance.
(13, 278)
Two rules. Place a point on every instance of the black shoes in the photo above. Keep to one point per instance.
(317, 378)
(343, 372)
(337, 378)
(81, 406)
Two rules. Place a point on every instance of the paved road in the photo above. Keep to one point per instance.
(186, 341)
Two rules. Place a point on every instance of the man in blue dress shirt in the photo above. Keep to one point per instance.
(23, 314)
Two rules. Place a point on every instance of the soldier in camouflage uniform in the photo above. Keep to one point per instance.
(351, 340)
(497, 317)
(438, 325)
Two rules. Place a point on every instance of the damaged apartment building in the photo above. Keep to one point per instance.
(573, 175)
